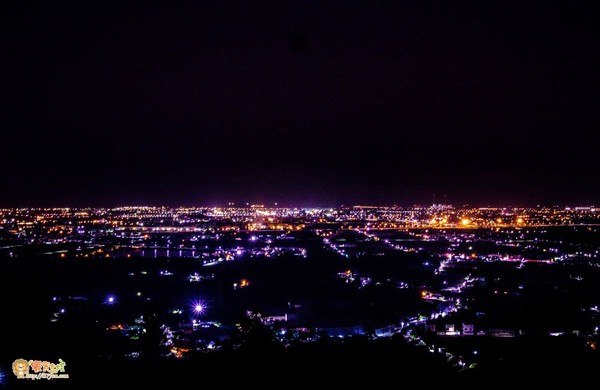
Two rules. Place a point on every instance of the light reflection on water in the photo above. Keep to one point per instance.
(155, 252)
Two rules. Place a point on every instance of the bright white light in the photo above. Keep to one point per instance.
(110, 300)
(198, 307)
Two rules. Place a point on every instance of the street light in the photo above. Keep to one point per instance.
(198, 307)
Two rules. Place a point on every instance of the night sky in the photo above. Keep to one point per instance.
(303, 103)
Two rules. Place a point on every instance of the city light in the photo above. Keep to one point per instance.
(198, 307)
(445, 241)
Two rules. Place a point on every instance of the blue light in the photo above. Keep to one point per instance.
(198, 307)
(110, 300)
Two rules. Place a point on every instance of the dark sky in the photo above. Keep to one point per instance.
(301, 103)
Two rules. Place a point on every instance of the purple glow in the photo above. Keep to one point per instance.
(198, 307)
(110, 300)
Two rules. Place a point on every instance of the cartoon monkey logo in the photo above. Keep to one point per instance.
(20, 368)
